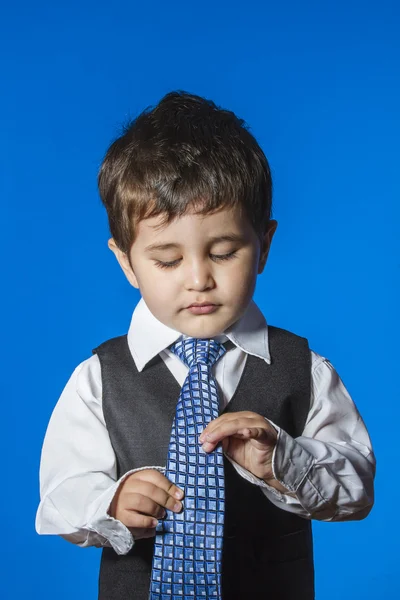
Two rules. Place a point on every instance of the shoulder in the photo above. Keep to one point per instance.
(83, 389)
(323, 372)
(284, 336)
(87, 377)
(112, 345)
(318, 361)
(114, 356)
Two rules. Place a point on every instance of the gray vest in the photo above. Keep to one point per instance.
(267, 551)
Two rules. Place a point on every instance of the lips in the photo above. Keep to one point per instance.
(201, 304)
(202, 309)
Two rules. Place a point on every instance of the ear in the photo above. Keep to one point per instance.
(267, 240)
(124, 263)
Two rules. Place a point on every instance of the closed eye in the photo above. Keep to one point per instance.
(175, 263)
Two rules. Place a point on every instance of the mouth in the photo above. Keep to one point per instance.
(202, 308)
(201, 304)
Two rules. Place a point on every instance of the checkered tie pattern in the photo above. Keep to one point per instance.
(188, 545)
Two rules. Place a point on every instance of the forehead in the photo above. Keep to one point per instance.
(193, 229)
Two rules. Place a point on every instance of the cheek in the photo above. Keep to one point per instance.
(160, 285)
(240, 276)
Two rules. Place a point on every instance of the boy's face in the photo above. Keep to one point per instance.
(189, 261)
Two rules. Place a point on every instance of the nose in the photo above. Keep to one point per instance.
(199, 277)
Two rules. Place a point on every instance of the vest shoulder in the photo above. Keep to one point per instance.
(114, 343)
(278, 333)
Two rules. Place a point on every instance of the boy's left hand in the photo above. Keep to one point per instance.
(246, 437)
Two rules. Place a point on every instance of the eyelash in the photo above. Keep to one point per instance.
(171, 265)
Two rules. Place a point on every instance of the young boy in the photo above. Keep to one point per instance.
(188, 195)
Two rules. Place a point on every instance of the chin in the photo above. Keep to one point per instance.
(206, 331)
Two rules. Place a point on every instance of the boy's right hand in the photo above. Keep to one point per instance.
(142, 499)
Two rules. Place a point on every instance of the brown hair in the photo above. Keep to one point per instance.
(184, 153)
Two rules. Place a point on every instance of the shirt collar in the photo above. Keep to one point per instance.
(147, 336)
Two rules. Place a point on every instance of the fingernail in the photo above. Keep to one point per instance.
(177, 506)
(206, 447)
(179, 494)
(154, 522)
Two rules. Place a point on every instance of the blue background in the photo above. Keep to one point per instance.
(319, 85)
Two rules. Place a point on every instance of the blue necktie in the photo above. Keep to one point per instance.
(188, 545)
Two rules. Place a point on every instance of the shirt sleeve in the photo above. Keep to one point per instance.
(329, 470)
(78, 471)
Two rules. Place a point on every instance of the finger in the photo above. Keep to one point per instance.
(145, 505)
(243, 429)
(132, 519)
(156, 497)
(237, 420)
(159, 480)
(226, 418)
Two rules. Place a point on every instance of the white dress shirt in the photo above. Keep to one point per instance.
(329, 469)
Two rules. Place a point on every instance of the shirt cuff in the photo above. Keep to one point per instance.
(290, 461)
(113, 533)
(290, 465)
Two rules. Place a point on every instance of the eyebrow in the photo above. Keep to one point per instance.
(229, 237)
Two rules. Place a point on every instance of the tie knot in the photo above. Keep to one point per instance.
(192, 351)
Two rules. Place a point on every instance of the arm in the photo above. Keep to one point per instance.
(330, 469)
(78, 471)
(328, 472)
